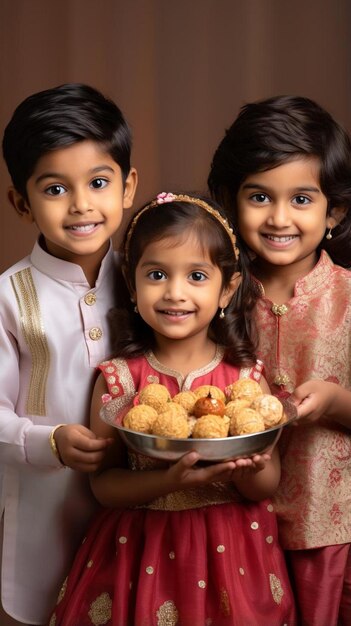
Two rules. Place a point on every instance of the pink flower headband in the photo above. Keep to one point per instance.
(164, 197)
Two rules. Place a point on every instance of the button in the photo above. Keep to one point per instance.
(90, 298)
(282, 379)
(279, 309)
(95, 334)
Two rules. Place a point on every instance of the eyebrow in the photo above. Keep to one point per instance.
(296, 189)
(94, 170)
(156, 263)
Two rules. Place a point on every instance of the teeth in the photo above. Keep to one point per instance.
(176, 313)
(280, 239)
(84, 228)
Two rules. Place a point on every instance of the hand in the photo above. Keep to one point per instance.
(79, 448)
(313, 400)
(185, 473)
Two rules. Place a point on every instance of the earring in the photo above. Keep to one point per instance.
(329, 234)
(136, 310)
(222, 314)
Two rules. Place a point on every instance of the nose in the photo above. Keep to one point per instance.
(175, 290)
(80, 201)
(280, 215)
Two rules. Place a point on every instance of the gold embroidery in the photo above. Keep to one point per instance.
(101, 610)
(269, 539)
(185, 383)
(149, 570)
(224, 602)
(276, 588)
(279, 309)
(254, 525)
(90, 564)
(202, 584)
(62, 591)
(53, 620)
(34, 335)
(167, 614)
(220, 549)
(241, 571)
(122, 539)
(206, 495)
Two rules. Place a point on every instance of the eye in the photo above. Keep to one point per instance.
(55, 190)
(302, 200)
(259, 197)
(157, 275)
(197, 276)
(99, 183)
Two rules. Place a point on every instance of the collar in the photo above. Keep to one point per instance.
(58, 269)
(313, 282)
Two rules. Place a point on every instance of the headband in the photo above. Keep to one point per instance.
(163, 198)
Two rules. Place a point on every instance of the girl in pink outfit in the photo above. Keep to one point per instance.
(283, 171)
(179, 543)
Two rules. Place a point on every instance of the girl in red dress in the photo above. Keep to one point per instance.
(182, 543)
(283, 170)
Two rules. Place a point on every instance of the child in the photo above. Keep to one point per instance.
(178, 544)
(283, 171)
(68, 153)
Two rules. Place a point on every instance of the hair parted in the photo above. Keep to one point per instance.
(179, 219)
(271, 132)
(57, 118)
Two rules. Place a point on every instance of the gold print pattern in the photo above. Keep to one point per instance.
(224, 602)
(167, 614)
(276, 588)
(34, 336)
(62, 591)
(101, 610)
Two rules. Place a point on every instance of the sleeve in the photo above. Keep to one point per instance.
(120, 384)
(21, 441)
(257, 371)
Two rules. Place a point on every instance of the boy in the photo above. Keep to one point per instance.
(67, 150)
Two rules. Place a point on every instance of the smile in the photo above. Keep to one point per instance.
(281, 239)
(176, 313)
(82, 228)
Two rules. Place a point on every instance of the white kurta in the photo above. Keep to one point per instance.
(53, 333)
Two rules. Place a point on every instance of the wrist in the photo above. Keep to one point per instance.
(53, 445)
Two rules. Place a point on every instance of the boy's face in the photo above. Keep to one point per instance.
(76, 198)
(282, 214)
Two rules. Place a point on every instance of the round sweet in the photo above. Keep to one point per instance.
(270, 408)
(140, 418)
(234, 406)
(245, 422)
(211, 427)
(244, 388)
(155, 395)
(171, 424)
(191, 423)
(207, 405)
(186, 399)
(215, 392)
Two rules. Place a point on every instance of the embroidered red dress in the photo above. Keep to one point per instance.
(195, 558)
(309, 337)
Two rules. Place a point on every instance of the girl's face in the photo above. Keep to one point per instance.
(178, 288)
(282, 214)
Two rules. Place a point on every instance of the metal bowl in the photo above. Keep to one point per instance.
(209, 449)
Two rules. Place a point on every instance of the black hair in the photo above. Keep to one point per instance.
(57, 118)
(180, 219)
(271, 132)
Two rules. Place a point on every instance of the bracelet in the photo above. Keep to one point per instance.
(52, 443)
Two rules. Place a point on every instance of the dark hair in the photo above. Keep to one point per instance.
(59, 117)
(271, 132)
(179, 219)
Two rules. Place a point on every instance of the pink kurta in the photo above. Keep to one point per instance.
(309, 337)
(191, 558)
(53, 333)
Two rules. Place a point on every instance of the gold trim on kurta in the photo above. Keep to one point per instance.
(34, 335)
(167, 614)
(101, 610)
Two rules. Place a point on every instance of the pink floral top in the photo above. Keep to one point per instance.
(309, 337)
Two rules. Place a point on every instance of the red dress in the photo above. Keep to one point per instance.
(200, 557)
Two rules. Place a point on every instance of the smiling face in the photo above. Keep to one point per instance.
(282, 214)
(76, 198)
(178, 289)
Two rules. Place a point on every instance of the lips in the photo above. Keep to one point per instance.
(82, 228)
(280, 238)
(175, 313)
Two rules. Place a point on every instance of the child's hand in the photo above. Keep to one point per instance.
(184, 474)
(79, 448)
(313, 399)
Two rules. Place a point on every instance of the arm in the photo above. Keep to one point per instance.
(319, 398)
(22, 441)
(118, 487)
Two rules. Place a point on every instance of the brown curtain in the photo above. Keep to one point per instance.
(179, 71)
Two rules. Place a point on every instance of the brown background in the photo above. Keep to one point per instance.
(179, 69)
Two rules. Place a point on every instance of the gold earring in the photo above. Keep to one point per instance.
(329, 234)
(136, 310)
(222, 314)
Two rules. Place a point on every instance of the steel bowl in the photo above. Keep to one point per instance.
(224, 449)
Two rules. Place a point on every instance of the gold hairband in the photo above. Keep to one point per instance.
(164, 197)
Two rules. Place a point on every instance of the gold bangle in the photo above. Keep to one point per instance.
(52, 442)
